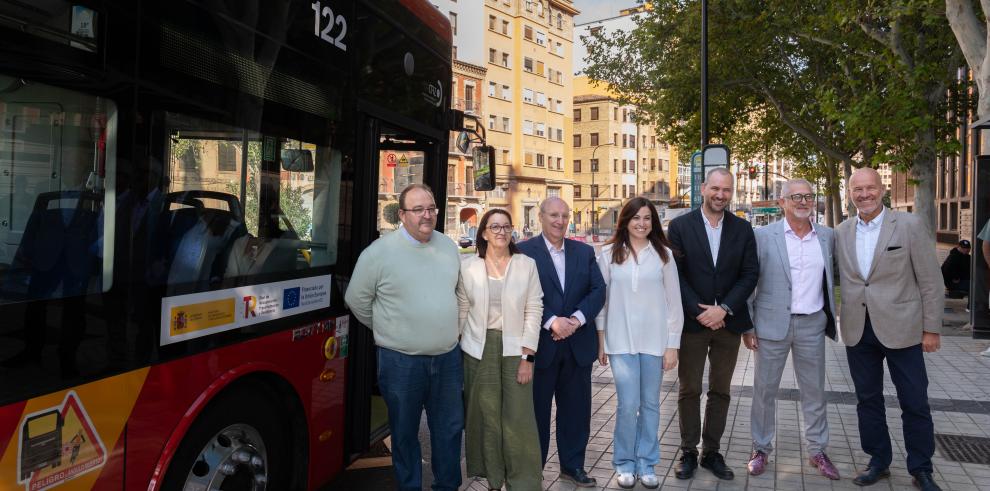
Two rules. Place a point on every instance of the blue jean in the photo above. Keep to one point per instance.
(408, 384)
(636, 445)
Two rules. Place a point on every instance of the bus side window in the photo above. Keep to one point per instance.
(229, 225)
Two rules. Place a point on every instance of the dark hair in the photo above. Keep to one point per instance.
(621, 244)
(415, 185)
(481, 244)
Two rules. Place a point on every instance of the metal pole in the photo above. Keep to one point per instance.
(704, 74)
(594, 192)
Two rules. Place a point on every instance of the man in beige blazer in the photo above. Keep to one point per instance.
(892, 300)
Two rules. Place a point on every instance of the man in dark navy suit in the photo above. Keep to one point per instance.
(573, 293)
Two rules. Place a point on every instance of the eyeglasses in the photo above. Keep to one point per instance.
(797, 198)
(504, 229)
(421, 211)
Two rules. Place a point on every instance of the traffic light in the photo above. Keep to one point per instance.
(752, 172)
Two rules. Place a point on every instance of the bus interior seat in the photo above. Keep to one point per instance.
(200, 238)
(55, 250)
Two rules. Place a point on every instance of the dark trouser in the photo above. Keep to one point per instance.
(570, 384)
(721, 348)
(408, 384)
(907, 370)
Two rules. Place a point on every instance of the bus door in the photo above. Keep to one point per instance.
(394, 158)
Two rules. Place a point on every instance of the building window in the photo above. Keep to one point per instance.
(528, 95)
(653, 164)
(491, 89)
(527, 127)
(560, 163)
(539, 160)
(624, 141)
(506, 93)
(594, 139)
(577, 166)
(632, 141)
(560, 134)
(491, 55)
(577, 194)
(541, 129)
(541, 99)
(594, 114)
(577, 115)
(624, 166)
(528, 33)
(553, 192)
(226, 157)
(539, 68)
(453, 22)
(615, 114)
(505, 27)
(577, 141)
(491, 122)
(541, 38)
(505, 124)
(491, 22)
(615, 165)
(505, 60)
(594, 165)
(528, 64)
(615, 190)
(632, 165)
(594, 190)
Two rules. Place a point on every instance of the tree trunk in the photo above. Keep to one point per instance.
(847, 171)
(923, 173)
(833, 211)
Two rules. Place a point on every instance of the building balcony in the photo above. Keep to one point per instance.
(469, 106)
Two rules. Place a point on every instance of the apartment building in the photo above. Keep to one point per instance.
(615, 158)
(527, 101)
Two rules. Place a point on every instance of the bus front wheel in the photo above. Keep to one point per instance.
(239, 442)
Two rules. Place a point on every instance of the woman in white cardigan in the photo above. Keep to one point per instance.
(639, 333)
(501, 304)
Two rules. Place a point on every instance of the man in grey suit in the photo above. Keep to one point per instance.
(792, 313)
(892, 300)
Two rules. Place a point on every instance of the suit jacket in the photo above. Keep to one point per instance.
(771, 301)
(584, 290)
(903, 291)
(522, 306)
(730, 280)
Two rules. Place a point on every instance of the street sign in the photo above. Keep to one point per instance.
(697, 175)
(390, 160)
(766, 211)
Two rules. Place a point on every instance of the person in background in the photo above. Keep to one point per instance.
(500, 304)
(718, 270)
(573, 294)
(984, 236)
(792, 314)
(955, 269)
(891, 311)
(404, 289)
(639, 332)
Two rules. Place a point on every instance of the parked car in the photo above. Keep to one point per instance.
(465, 242)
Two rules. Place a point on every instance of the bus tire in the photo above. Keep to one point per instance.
(241, 441)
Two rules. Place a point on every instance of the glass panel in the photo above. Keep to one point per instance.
(56, 149)
(269, 205)
(399, 165)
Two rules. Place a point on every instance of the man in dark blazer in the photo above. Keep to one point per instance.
(718, 267)
(573, 293)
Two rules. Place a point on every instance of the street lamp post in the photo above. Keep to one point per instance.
(594, 191)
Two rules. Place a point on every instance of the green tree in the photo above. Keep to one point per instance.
(391, 213)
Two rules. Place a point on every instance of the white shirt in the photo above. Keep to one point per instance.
(714, 235)
(807, 268)
(559, 265)
(642, 312)
(867, 235)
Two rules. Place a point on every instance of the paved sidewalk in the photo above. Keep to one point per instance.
(959, 391)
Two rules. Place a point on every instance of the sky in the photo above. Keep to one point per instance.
(592, 10)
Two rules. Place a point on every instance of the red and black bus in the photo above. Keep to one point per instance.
(185, 187)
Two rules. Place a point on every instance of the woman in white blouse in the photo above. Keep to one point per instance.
(501, 303)
(639, 333)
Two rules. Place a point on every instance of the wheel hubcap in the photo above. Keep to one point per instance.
(234, 459)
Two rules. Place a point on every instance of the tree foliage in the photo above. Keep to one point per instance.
(826, 83)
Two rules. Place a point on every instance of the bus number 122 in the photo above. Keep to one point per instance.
(324, 34)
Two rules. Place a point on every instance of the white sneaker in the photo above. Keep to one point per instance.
(649, 481)
(986, 352)
(626, 481)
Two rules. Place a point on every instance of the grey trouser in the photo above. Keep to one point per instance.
(806, 339)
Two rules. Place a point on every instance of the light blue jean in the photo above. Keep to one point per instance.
(636, 443)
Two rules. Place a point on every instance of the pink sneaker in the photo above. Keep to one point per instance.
(757, 463)
(824, 466)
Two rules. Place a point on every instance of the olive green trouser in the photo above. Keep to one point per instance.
(500, 436)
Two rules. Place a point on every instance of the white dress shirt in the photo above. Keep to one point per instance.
(807, 269)
(867, 235)
(642, 312)
(714, 235)
(559, 265)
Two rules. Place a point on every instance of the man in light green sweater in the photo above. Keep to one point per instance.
(403, 288)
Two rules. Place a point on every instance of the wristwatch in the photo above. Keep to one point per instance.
(529, 358)
(726, 308)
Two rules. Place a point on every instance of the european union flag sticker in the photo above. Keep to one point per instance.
(290, 298)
